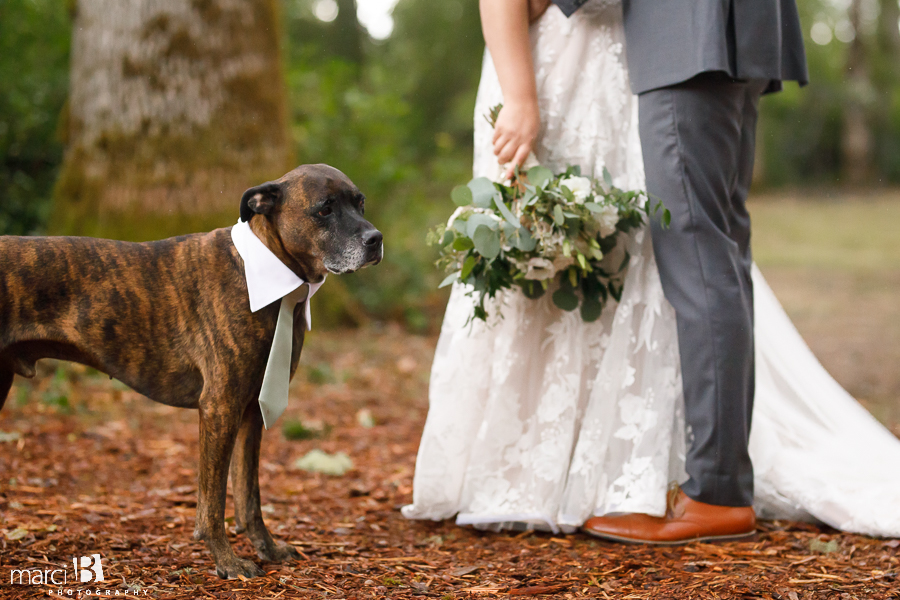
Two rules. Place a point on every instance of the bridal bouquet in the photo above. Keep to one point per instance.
(538, 229)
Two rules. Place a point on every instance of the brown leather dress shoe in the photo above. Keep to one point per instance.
(686, 520)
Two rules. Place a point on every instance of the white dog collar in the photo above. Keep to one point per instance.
(268, 280)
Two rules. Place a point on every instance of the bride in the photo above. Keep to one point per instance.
(540, 420)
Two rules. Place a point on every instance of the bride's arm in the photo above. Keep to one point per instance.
(505, 25)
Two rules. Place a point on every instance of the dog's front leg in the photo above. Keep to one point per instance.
(219, 422)
(6, 381)
(245, 484)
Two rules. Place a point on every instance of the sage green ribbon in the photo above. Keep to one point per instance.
(273, 397)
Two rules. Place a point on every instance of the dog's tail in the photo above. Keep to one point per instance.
(6, 380)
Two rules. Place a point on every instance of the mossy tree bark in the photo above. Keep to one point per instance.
(175, 109)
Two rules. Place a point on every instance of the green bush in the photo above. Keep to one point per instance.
(34, 62)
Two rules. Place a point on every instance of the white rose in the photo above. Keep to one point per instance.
(580, 187)
(607, 218)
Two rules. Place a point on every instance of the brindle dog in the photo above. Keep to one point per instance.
(172, 320)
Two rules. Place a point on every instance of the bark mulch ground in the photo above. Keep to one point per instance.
(89, 467)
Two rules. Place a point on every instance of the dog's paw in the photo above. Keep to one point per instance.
(278, 552)
(235, 567)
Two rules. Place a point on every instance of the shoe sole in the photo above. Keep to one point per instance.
(737, 537)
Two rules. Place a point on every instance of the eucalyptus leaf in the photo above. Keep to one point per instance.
(591, 310)
(558, 215)
(504, 210)
(625, 260)
(538, 176)
(523, 240)
(487, 242)
(615, 290)
(593, 207)
(461, 244)
(607, 178)
(452, 278)
(461, 195)
(565, 299)
(468, 265)
(483, 191)
(477, 220)
(532, 289)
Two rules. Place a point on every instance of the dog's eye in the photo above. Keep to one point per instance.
(326, 211)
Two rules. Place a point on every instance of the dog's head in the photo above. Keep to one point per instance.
(317, 213)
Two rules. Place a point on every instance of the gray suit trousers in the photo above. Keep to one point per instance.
(698, 141)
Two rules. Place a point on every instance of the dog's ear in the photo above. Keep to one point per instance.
(261, 200)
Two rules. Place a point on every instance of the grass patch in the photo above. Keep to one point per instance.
(848, 233)
(833, 260)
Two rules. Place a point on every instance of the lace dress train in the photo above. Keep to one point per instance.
(537, 419)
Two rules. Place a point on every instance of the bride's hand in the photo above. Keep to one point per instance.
(536, 9)
(514, 133)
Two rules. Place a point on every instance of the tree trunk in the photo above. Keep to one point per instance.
(175, 109)
(856, 137)
(890, 28)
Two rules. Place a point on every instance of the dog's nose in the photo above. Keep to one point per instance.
(373, 238)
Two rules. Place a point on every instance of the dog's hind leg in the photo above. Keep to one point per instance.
(6, 381)
(220, 418)
(245, 485)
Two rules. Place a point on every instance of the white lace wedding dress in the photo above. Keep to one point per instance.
(538, 419)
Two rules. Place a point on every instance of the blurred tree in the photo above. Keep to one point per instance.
(856, 137)
(435, 52)
(34, 57)
(886, 81)
(399, 123)
(889, 29)
(845, 126)
(175, 108)
(348, 34)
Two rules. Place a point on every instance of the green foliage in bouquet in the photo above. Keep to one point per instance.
(540, 229)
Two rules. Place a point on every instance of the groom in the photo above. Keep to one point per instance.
(699, 68)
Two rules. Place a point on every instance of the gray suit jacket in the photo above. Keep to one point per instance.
(670, 41)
